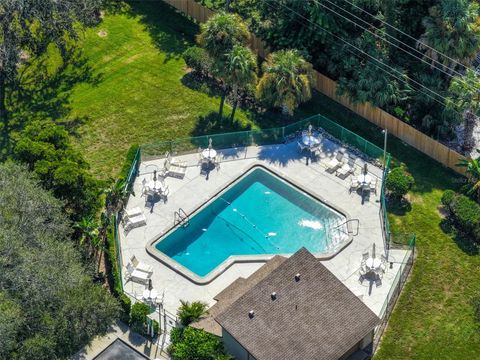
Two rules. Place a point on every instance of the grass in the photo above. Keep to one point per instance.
(141, 96)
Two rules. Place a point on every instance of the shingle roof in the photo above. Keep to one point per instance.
(231, 293)
(316, 317)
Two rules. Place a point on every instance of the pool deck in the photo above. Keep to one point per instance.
(194, 189)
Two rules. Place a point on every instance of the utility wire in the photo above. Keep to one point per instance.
(404, 33)
(366, 54)
(390, 36)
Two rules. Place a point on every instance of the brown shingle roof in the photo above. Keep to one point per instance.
(231, 293)
(314, 318)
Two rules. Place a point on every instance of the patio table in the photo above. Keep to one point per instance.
(310, 140)
(209, 154)
(150, 294)
(364, 179)
(156, 186)
(373, 263)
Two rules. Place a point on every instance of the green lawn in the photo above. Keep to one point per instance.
(140, 97)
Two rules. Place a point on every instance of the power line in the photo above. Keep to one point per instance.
(404, 33)
(366, 54)
(382, 38)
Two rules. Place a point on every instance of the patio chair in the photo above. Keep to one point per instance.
(175, 170)
(301, 146)
(165, 193)
(347, 168)
(134, 222)
(373, 185)
(138, 265)
(354, 185)
(335, 163)
(378, 281)
(175, 162)
(137, 275)
(365, 256)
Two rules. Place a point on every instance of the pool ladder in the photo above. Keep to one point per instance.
(181, 217)
(349, 226)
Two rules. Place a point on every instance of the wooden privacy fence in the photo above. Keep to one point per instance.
(434, 149)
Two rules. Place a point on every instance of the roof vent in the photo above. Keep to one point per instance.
(251, 314)
(273, 295)
(297, 277)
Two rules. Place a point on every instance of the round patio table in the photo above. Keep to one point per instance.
(373, 263)
(150, 294)
(310, 140)
(209, 154)
(364, 179)
(156, 186)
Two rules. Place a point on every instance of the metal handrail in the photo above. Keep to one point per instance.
(346, 223)
(181, 217)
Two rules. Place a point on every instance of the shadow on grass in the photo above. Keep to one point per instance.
(171, 32)
(202, 84)
(398, 207)
(463, 241)
(212, 124)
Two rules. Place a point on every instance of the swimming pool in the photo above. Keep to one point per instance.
(259, 214)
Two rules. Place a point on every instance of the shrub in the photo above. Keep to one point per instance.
(190, 344)
(476, 308)
(447, 198)
(198, 60)
(138, 317)
(191, 312)
(399, 182)
(126, 306)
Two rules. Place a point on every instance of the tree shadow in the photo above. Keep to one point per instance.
(463, 241)
(203, 84)
(45, 94)
(212, 124)
(171, 32)
(398, 207)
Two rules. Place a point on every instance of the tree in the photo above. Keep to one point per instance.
(42, 273)
(29, 26)
(191, 312)
(286, 81)
(242, 71)
(452, 29)
(218, 36)
(465, 98)
(472, 167)
(196, 344)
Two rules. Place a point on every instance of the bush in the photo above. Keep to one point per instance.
(399, 182)
(464, 213)
(198, 60)
(191, 312)
(190, 344)
(447, 198)
(138, 317)
(126, 306)
(476, 308)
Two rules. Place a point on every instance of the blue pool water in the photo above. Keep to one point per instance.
(259, 214)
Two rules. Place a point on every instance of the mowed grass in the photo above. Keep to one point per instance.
(140, 97)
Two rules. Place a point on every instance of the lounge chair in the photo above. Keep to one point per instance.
(134, 222)
(138, 265)
(335, 163)
(373, 185)
(174, 170)
(137, 275)
(175, 162)
(347, 168)
(132, 212)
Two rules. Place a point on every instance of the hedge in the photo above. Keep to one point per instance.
(464, 212)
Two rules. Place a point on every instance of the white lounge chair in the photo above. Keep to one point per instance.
(138, 265)
(134, 222)
(174, 161)
(346, 169)
(175, 170)
(335, 163)
(137, 275)
(133, 212)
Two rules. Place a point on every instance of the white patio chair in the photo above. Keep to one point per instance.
(174, 170)
(365, 256)
(137, 275)
(335, 163)
(138, 265)
(354, 185)
(300, 146)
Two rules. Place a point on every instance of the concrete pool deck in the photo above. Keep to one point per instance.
(194, 189)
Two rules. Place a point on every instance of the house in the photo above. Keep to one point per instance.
(291, 308)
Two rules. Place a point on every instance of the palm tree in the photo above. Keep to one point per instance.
(473, 170)
(191, 312)
(465, 98)
(218, 36)
(286, 81)
(242, 71)
(114, 196)
(89, 233)
(451, 28)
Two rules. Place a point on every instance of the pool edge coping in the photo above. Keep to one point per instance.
(231, 260)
